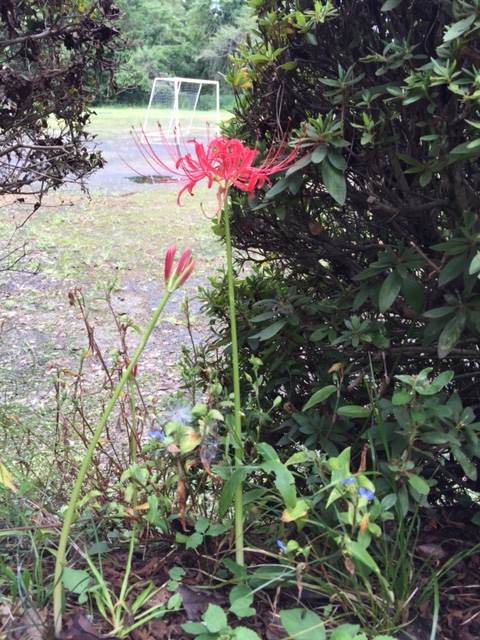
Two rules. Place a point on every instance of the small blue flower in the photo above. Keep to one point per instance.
(365, 493)
(348, 481)
(281, 547)
(156, 435)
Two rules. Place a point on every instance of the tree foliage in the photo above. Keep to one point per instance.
(55, 56)
(373, 238)
(189, 40)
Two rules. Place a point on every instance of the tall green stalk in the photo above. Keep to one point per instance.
(70, 512)
(238, 450)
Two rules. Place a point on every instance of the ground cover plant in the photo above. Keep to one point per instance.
(299, 485)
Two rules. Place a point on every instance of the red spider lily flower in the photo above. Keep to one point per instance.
(185, 266)
(221, 161)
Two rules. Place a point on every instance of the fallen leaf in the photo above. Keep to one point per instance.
(31, 625)
(78, 627)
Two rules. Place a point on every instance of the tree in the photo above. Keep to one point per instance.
(373, 239)
(167, 40)
(56, 58)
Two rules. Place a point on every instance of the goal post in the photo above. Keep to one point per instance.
(182, 106)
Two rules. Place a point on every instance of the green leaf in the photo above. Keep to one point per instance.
(243, 633)
(284, 480)
(390, 4)
(354, 411)
(280, 186)
(453, 268)
(290, 514)
(439, 312)
(418, 484)
(241, 598)
(303, 162)
(436, 385)
(194, 628)
(389, 291)
(334, 182)
(319, 154)
(229, 488)
(75, 580)
(320, 396)
(336, 160)
(194, 541)
(475, 264)
(469, 469)
(401, 397)
(345, 632)
(451, 333)
(267, 451)
(413, 293)
(270, 331)
(302, 624)
(457, 29)
(215, 618)
(476, 519)
(359, 552)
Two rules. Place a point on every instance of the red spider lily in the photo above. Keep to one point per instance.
(185, 266)
(221, 161)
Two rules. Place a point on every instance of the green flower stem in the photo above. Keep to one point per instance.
(133, 435)
(70, 512)
(238, 451)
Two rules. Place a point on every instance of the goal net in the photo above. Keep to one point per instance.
(182, 106)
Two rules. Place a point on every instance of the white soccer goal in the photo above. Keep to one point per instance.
(183, 106)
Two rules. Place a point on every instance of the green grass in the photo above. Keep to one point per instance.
(112, 122)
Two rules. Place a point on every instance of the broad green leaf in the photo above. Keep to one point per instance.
(320, 396)
(475, 264)
(215, 618)
(457, 29)
(302, 624)
(418, 484)
(229, 488)
(303, 162)
(280, 186)
(451, 333)
(75, 580)
(390, 4)
(436, 385)
(453, 268)
(284, 480)
(319, 154)
(336, 160)
(241, 598)
(334, 181)
(389, 291)
(294, 183)
(413, 293)
(354, 411)
(243, 633)
(359, 552)
(345, 632)
(267, 451)
(270, 331)
(439, 312)
(469, 469)
(476, 519)
(401, 397)
(194, 541)
(194, 628)
(300, 510)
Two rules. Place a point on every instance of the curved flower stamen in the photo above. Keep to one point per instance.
(221, 161)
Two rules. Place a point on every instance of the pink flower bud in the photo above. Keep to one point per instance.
(183, 271)
(169, 257)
